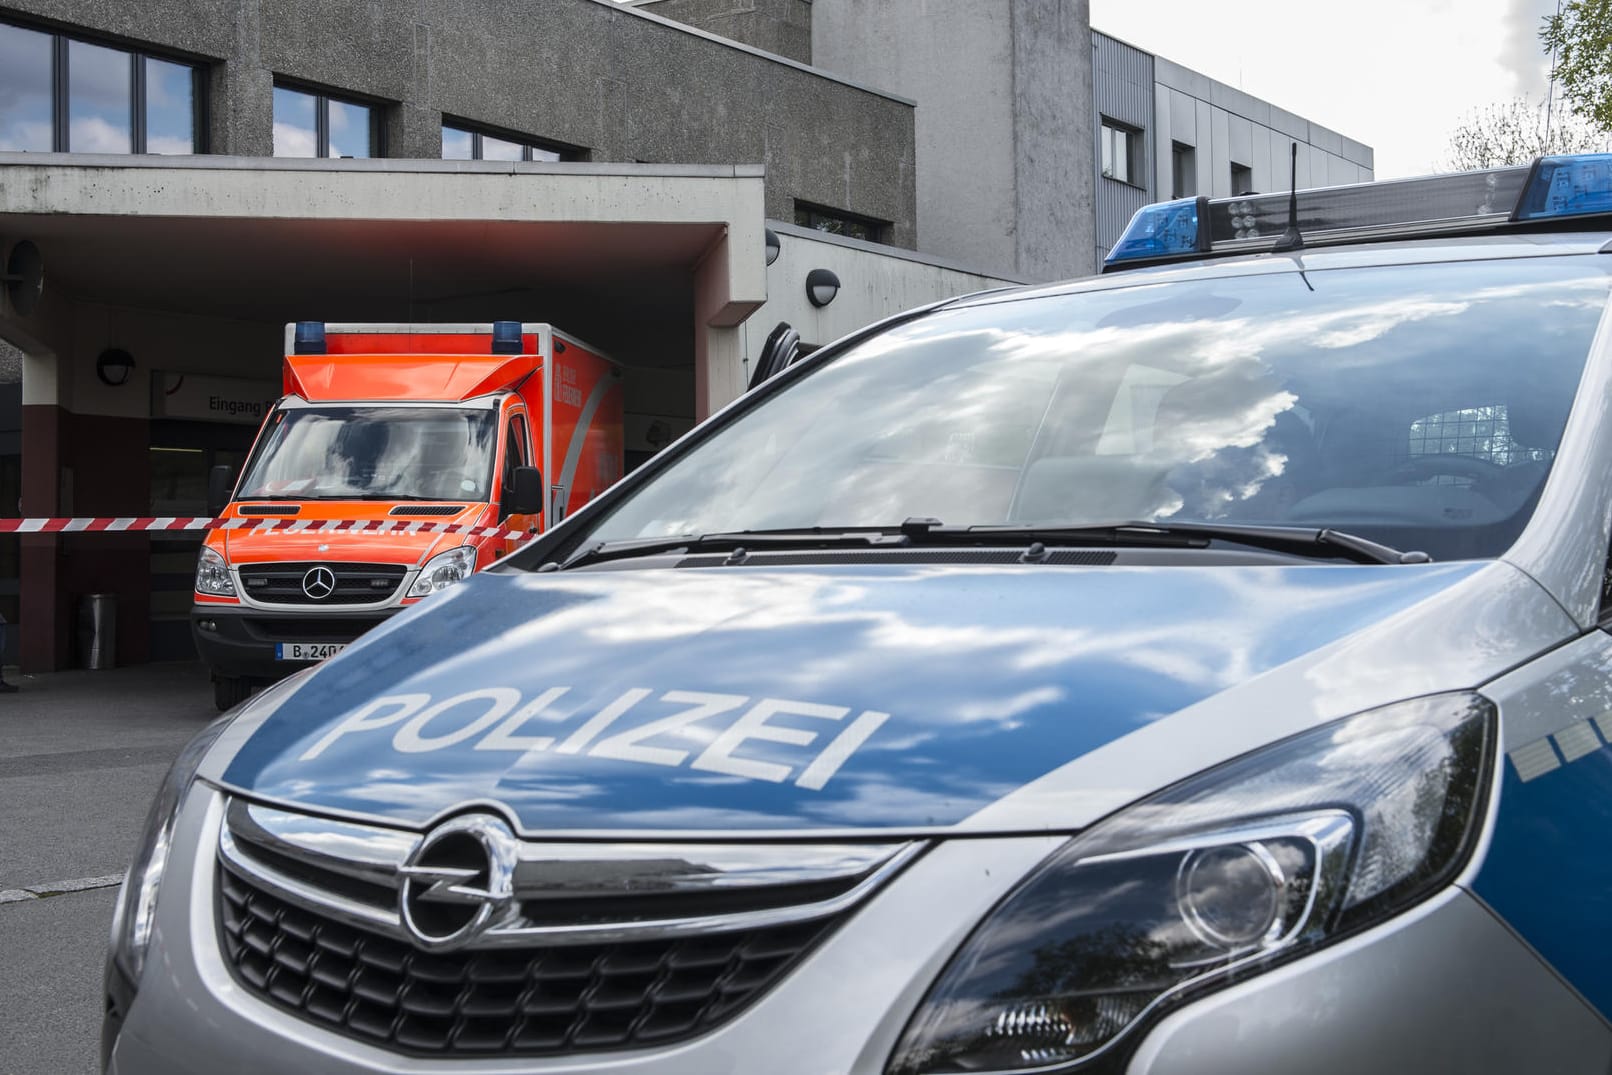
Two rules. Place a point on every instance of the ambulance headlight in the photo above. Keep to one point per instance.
(1214, 880)
(136, 908)
(212, 574)
(443, 571)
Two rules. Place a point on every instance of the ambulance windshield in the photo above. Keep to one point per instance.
(1418, 405)
(373, 453)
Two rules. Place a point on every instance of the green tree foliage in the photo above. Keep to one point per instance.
(1580, 37)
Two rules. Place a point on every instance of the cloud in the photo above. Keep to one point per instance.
(1520, 54)
(291, 141)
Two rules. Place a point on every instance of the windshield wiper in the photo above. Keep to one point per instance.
(1303, 541)
(737, 540)
(398, 496)
(1320, 544)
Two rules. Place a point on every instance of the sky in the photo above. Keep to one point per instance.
(1398, 75)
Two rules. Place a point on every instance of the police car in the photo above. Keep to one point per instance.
(1190, 669)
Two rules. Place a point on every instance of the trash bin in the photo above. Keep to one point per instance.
(98, 630)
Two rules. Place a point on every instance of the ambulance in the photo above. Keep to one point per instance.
(401, 459)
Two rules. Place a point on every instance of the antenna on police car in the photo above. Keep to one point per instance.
(1291, 239)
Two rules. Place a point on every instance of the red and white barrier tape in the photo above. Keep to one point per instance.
(144, 524)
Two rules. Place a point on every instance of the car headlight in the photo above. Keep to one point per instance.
(1261, 859)
(212, 574)
(444, 570)
(137, 900)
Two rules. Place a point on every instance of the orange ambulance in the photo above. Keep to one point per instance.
(391, 425)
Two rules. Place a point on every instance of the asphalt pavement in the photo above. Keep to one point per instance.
(81, 755)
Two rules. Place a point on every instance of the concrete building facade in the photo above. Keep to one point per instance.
(1167, 132)
(593, 80)
(1037, 137)
(1004, 120)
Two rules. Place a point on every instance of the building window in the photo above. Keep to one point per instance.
(839, 222)
(1122, 152)
(312, 123)
(463, 142)
(68, 95)
(1183, 171)
(1242, 178)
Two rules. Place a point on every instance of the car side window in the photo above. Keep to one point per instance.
(1605, 618)
(517, 453)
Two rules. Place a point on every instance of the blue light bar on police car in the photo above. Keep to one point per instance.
(1168, 229)
(1567, 186)
(1553, 187)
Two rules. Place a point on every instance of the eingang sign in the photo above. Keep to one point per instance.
(211, 399)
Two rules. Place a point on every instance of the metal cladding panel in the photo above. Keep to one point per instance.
(1122, 85)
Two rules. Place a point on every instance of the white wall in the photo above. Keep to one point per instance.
(875, 282)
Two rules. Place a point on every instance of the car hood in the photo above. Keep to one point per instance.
(792, 699)
(399, 546)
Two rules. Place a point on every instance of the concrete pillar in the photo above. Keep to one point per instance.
(730, 283)
(718, 369)
(78, 464)
(241, 93)
(44, 635)
(42, 631)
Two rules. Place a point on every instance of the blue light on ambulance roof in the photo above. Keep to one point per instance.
(1567, 186)
(1167, 229)
(309, 338)
(506, 337)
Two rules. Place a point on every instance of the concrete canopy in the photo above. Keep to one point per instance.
(614, 253)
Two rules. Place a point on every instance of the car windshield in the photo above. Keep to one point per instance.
(1418, 405)
(376, 453)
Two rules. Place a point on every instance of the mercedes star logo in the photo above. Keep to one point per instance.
(319, 583)
(459, 882)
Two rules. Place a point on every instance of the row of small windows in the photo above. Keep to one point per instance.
(1123, 159)
(840, 222)
(62, 94)
(464, 143)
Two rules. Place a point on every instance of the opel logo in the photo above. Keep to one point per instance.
(459, 882)
(319, 583)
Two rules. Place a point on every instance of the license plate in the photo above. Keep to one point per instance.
(307, 651)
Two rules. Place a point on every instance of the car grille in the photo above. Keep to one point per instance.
(356, 584)
(427, 509)
(526, 1001)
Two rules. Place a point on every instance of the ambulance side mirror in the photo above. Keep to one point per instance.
(220, 482)
(526, 493)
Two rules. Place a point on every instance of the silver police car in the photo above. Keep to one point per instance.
(1198, 668)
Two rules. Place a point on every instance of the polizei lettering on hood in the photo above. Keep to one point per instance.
(502, 719)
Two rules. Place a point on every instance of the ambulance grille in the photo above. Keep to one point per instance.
(355, 584)
(525, 1001)
(427, 509)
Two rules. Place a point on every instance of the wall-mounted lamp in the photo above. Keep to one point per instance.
(23, 277)
(773, 246)
(821, 287)
(114, 366)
